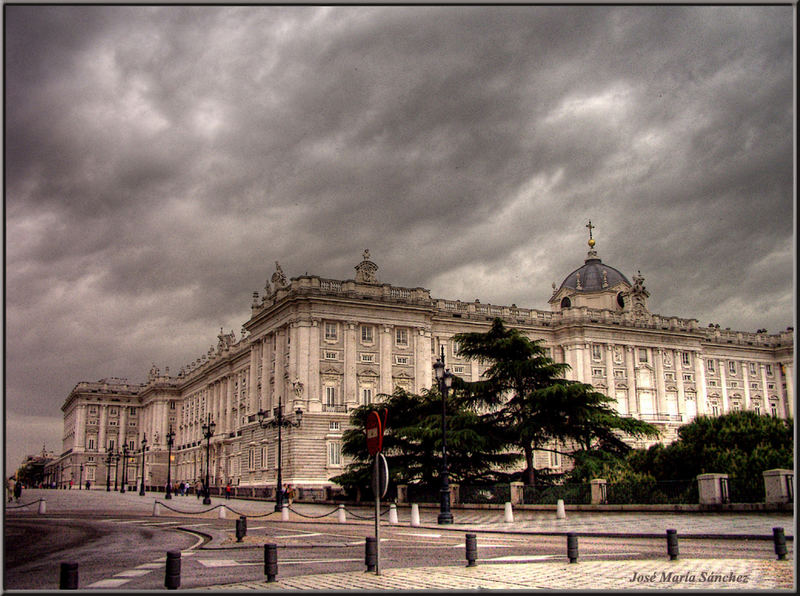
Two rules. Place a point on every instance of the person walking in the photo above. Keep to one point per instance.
(10, 486)
(17, 490)
(228, 491)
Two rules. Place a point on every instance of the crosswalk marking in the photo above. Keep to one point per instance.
(150, 565)
(133, 573)
(300, 535)
(223, 563)
(109, 583)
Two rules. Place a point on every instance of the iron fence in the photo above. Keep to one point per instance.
(496, 493)
(570, 493)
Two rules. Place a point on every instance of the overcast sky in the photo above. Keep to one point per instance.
(159, 160)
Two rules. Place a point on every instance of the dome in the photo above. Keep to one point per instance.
(594, 276)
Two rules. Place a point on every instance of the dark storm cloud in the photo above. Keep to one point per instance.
(160, 159)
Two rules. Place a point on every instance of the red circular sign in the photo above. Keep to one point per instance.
(374, 433)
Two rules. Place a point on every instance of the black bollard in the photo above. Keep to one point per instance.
(244, 524)
(779, 538)
(270, 561)
(472, 550)
(370, 553)
(239, 530)
(68, 578)
(672, 544)
(172, 573)
(572, 547)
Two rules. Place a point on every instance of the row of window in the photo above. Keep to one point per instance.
(269, 455)
(367, 333)
(366, 357)
(733, 368)
(114, 411)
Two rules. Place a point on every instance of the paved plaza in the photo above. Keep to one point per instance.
(536, 573)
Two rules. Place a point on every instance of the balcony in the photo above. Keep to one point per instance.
(337, 408)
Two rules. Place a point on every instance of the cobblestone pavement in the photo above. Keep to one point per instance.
(702, 574)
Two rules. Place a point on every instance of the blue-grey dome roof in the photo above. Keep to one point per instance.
(591, 277)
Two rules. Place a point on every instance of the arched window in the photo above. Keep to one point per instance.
(566, 302)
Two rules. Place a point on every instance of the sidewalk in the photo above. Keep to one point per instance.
(704, 574)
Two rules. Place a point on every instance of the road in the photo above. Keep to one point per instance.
(128, 552)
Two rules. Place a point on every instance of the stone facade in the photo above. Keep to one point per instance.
(327, 346)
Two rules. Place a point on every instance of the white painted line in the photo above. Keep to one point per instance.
(486, 546)
(133, 573)
(300, 562)
(188, 553)
(421, 535)
(524, 558)
(160, 523)
(195, 525)
(223, 563)
(150, 565)
(299, 535)
(197, 543)
(362, 542)
(108, 583)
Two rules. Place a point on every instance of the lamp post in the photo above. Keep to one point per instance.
(170, 440)
(445, 379)
(208, 432)
(143, 449)
(116, 468)
(80, 478)
(109, 461)
(279, 421)
(124, 467)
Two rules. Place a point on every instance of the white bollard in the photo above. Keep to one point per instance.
(222, 513)
(414, 514)
(285, 513)
(156, 509)
(42, 507)
(560, 513)
(393, 513)
(340, 516)
(509, 514)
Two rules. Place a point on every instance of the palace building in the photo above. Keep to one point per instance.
(326, 346)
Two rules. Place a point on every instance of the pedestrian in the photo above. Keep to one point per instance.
(10, 486)
(197, 488)
(88, 485)
(17, 490)
(290, 494)
(70, 484)
(228, 491)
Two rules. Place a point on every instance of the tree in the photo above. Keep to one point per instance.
(530, 402)
(413, 440)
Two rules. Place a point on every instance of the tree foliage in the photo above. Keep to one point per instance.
(531, 403)
(412, 442)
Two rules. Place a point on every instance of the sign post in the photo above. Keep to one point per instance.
(374, 430)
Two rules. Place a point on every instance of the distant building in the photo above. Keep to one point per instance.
(327, 346)
(32, 469)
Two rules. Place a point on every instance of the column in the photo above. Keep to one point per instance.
(702, 390)
(349, 381)
(302, 347)
(780, 375)
(228, 405)
(422, 359)
(280, 367)
(723, 365)
(266, 360)
(123, 426)
(766, 409)
(746, 381)
(292, 348)
(252, 389)
(586, 353)
(101, 436)
(679, 377)
(661, 390)
(612, 382)
(386, 359)
(787, 372)
(80, 427)
(633, 402)
(313, 390)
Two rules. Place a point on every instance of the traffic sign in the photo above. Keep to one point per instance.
(381, 475)
(374, 433)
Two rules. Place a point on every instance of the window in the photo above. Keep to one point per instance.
(757, 409)
(113, 411)
(619, 374)
(598, 372)
(774, 408)
(769, 369)
(401, 359)
(732, 367)
(251, 456)
(688, 377)
(753, 368)
(132, 411)
(753, 385)
(264, 454)
(686, 359)
(90, 473)
(111, 444)
(367, 334)
(172, 404)
(401, 337)
(367, 357)
(93, 411)
(112, 422)
(334, 425)
(714, 409)
(711, 366)
(130, 445)
(458, 369)
(455, 347)
(597, 352)
(642, 354)
(736, 407)
(331, 331)
(669, 376)
(90, 443)
(334, 454)
(330, 355)
(366, 395)
(555, 460)
(770, 385)
(712, 383)
(330, 396)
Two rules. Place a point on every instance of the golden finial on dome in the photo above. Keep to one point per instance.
(591, 240)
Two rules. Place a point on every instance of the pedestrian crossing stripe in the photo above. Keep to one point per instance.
(109, 583)
(133, 573)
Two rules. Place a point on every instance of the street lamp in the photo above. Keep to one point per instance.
(445, 380)
(170, 440)
(279, 421)
(80, 478)
(109, 461)
(124, 467)
(116, 468)
(143, 449)
(208, 432)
